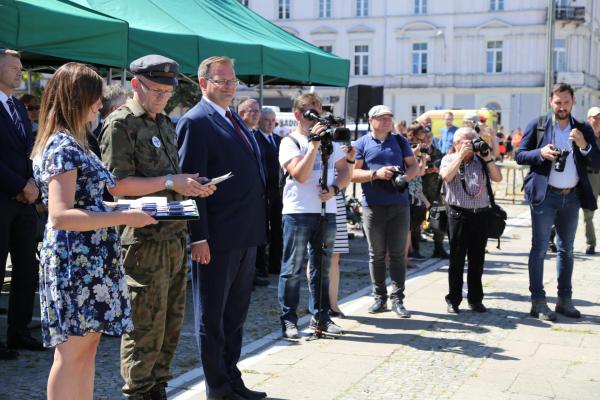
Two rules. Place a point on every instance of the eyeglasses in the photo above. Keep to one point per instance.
(225, 82)
(156, 92)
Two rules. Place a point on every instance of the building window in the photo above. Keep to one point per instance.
(420, 7)
(324, 8)
(361, 60)
(560, 55)
(496, 5)
(327, 48)
(416, 112)
(494, 57)
(362, 8)
(419, 58)
(284, 9)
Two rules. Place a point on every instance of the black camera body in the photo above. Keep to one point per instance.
(399, 181)
(333, 133)
(480, 146)
(561, 160)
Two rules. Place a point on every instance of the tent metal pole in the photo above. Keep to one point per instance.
(261, 84)
(28, 81)
(124, 77)
(109, 76)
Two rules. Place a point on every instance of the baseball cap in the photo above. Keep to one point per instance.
(379, 110)
(592, 112)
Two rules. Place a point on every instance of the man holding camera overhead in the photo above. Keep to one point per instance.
(300, 156)
(559, 151)
(384, 165)
(464, 171)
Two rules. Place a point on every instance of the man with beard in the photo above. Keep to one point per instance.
(559, 151)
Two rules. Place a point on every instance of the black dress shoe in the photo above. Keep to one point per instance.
(552, 248)
(477, 307)
(440, 253)
(590, 249)
(158, 392)
(26, 342)
(249, 393)
(379, 305)
(452, 309)
(260, 281)
(7, 354)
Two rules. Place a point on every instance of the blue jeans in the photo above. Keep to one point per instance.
(562, 212)
(300, 231)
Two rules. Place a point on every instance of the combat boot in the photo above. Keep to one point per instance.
(540, 309)
(565, 307)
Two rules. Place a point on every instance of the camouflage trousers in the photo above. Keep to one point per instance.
(157, 279)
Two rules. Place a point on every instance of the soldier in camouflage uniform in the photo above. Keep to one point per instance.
(139, 147)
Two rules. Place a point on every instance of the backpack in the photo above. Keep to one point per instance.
(283, 173)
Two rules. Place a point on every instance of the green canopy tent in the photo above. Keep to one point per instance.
(190, 30)
(50, 32)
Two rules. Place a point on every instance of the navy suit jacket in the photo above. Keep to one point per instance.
(270, 157)
(234, 216)
(536, 181)
(15, 165)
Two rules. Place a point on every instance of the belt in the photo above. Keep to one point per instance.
(470, 210)
(562, 192)
(593, 171)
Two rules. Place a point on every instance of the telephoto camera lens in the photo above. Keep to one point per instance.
(480, 146)
(561, 161)
(399, 181)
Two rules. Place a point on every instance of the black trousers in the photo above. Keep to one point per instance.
(17, 237)
(221, 293)
(467, 237)
(268, 256)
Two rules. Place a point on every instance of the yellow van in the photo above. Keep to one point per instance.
(437, 118)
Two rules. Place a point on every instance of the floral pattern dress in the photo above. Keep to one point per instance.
(82, 280)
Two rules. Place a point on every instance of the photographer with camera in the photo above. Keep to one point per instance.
(418, 202)
(559, 151)
(464, 171)
(300, 156)
(384, 165)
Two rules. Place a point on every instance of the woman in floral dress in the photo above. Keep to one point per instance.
(83, 291)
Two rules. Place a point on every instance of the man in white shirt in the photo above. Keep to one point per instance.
(303, 195)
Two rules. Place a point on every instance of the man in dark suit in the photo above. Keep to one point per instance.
(213, 141)
(559, 151)
(249, 111)
(269, 147)
(18, 192)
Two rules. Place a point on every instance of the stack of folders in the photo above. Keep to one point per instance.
(160, 208)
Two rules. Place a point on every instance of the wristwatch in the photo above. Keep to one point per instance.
(169, 182)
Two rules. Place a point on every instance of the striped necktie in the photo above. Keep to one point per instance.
(15, 116)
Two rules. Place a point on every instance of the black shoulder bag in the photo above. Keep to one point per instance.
(497, 216)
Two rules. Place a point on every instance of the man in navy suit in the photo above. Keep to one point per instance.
(269, 146)
(213, 141)
(18, 192)
(559, 151)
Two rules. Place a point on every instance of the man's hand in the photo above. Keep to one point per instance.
(466, 148)
(317, 129)
(549, 152)
(188, 185)
(201, 253)
(30, 193)
(207, 189)
(385, 173)
(327, 194)
(577, 137)
(350, 152)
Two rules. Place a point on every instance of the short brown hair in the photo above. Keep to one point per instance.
(9, 53)
(562, 87)
(414, 129)
(204, 68)
(243, 106)
(66, 103)
(306, 101)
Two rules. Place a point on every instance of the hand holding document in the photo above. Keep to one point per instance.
(218, 179)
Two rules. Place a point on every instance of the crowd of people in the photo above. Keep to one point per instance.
(124, 273)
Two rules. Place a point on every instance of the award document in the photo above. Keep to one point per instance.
(160, 208)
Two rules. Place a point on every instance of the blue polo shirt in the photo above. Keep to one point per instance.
(376, 154)
(446, 138)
